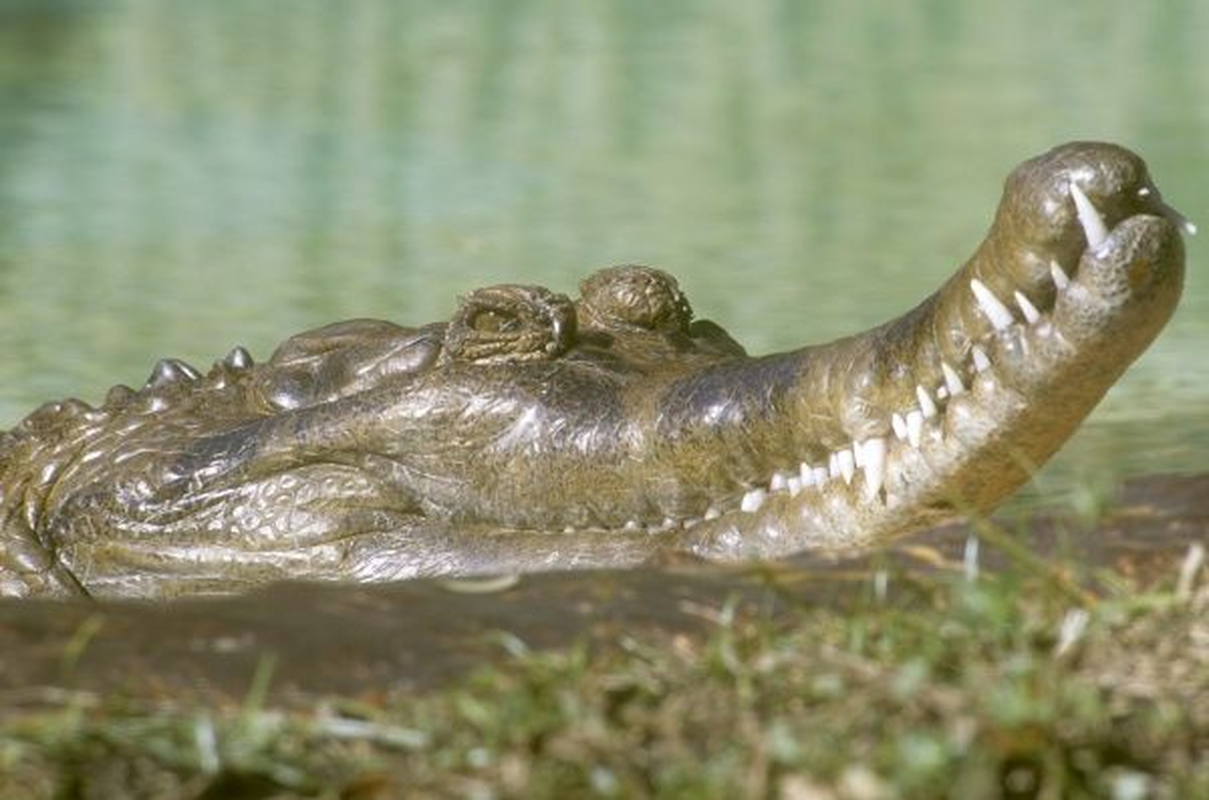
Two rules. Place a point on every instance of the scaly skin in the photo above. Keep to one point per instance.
(532, 433)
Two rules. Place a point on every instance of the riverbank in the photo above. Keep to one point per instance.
(1062, 656)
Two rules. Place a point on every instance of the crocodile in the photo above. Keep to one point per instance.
(532, 432)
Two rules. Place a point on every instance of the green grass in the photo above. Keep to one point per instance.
(1010, 685)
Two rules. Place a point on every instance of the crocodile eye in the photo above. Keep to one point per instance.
(494, 321)
(510, 323)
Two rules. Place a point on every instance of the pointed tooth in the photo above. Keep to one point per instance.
(998, 314)
(1031, 314)
(952, 380)
(753, 500)
(632, 525)
(1144, 191)
(1061, 279)
(981, 362)
(794, 484)
(1179, 219)
(821, 476)
(1093, 224)
(847, 463)
(915, 427)
(875, 466)
(806, 474)
(712, 513)
(927, 406)
(899, 425)
(778, 482)
(833, 465)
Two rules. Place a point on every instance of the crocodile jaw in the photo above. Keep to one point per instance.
(944, 410)
(1026, 375)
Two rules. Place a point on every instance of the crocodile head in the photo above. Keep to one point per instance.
(534, 432)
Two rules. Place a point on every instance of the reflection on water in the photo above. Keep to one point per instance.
(179, 177)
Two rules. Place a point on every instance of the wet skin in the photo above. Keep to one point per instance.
(532, 432)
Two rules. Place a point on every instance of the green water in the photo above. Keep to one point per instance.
(179, 177)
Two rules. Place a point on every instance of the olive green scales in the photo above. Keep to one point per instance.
(534, 432)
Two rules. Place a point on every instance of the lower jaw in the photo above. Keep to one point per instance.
(967, 461)
(1042, 377)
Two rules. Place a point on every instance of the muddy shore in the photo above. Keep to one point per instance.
(354, 640)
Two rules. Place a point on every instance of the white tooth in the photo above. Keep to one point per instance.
(952, 380)
(778, 482)
(712, 513)
(753, 500)
(820, 477)
(833, 466)
(1188, 225)
(927, 406)
(995, 311)
(806, 474)
(795, 485)
(942, 392)
(1093, 224)
(1031, 314)
(915, 427)
(847, 464)
(981, 362)
(1144, 191)
(875, 466)
(899, 425)
(632, 525)
(1061, 279)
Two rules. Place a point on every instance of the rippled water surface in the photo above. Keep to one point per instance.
(178, 177)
